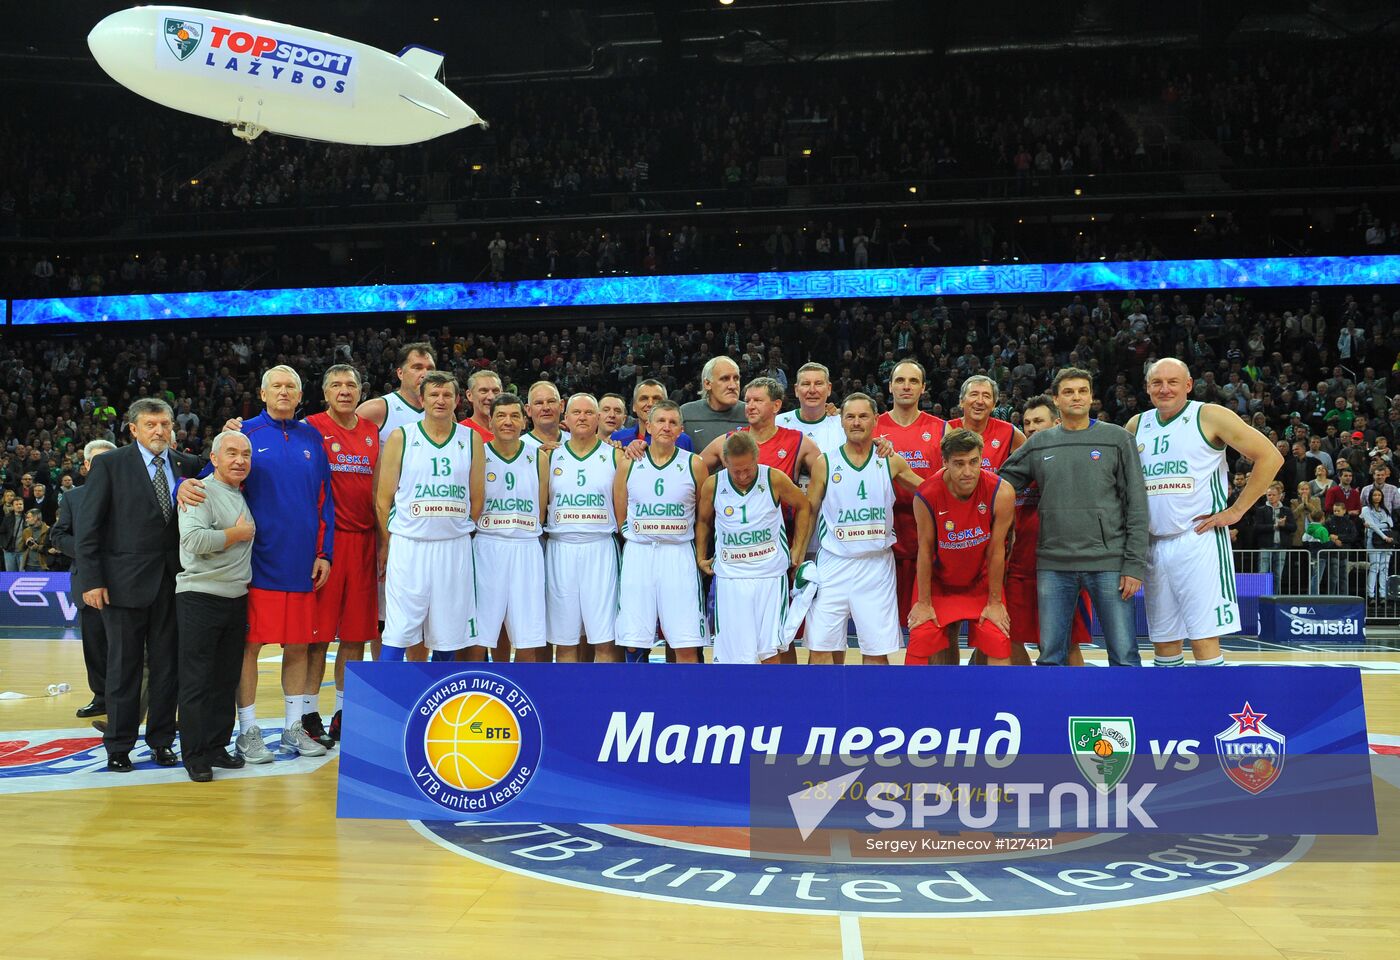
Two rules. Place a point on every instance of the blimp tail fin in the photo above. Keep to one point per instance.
(422, 60)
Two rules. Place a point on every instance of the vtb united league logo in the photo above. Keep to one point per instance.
(473, 742)
(1102, 749)
(1251, 752)
(183, 36)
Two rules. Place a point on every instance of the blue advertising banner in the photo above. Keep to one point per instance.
(675, 745)
(36, 599)
(1309, 619)
(978, 280)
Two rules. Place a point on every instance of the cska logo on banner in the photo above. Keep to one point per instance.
(1251, 751)
(1102, 748)
(183, 36)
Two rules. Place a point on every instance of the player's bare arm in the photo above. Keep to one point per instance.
(619, 494)
(704, 526)
(922, 609)
(816, 485)
(1003, 512)
(903, 475)
(1222, 425)
(542, 465)
(387, 482)
(375, 410)
(476, 485)
(810, 456)
(790, 496)
(713, 454)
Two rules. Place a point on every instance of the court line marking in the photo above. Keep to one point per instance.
(1297, 852)
(851, 946)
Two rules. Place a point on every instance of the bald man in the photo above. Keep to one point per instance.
(581, 557)
(1190, 585)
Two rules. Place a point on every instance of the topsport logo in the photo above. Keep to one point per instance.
(473, 742)
(273, 60)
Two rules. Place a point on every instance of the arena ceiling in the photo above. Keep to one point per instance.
(613, 37)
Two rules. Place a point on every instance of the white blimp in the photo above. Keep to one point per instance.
(262, 76)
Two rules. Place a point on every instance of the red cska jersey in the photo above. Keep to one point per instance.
(352, 455)
(964, 530)
(918, 444)
(996, 441)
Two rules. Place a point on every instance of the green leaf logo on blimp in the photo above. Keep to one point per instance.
(183, 36)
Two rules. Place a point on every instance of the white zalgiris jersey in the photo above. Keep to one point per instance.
(512, 508)
(827, 433)
(857, 514)
(397, 413)
(580, 494)
(433, 501)
(1186, 476)
(750, 538)
(661, 500)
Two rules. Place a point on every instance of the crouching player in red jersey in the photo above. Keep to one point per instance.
(963, 514)
(1038, 414)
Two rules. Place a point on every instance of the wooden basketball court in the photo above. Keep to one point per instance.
(256, 865)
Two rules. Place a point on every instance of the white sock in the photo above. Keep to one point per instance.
(309, 702)
(339, 700)
(293, 710)
(1177, 661)
(247, 718)
(1212, 662)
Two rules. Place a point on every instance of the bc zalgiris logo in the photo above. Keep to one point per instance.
(183, 36)
(1102, 748)
(473, 742)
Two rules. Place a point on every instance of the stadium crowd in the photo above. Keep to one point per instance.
(1314, 371)
(1016, 117)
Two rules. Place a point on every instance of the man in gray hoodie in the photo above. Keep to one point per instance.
(1093, 521)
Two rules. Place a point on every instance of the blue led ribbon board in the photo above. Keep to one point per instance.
(986, 280)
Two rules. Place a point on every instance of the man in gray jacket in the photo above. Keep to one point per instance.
(211, 609)
(1093, 521)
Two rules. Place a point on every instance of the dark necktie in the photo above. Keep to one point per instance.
(162, 487)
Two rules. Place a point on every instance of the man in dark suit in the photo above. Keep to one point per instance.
(90, 628)
(128, 548)
(45, 502)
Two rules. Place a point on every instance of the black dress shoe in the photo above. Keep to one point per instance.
(100, 726)
(200, 772)
(119, 762)
(165, 757)
(225, 760)
(94, 709)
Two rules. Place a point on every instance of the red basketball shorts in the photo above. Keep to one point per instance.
(275, 616)
(347, 607)
(951, 608)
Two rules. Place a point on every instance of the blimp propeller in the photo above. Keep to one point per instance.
(259, 76)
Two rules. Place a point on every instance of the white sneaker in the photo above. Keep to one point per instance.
(252, 746)
(296, 738)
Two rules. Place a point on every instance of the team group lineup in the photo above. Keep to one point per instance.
(390, 523)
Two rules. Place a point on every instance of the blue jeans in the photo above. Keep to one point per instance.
(1273, 561)
(12, 561)
(1057, 594)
